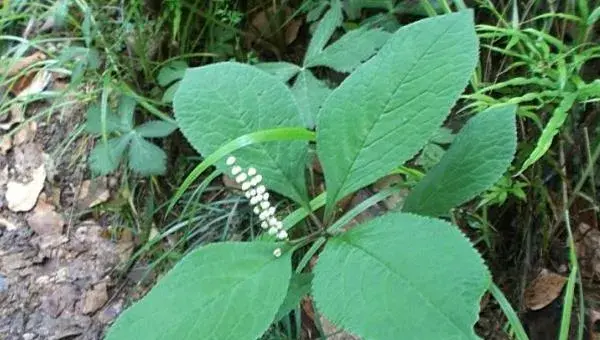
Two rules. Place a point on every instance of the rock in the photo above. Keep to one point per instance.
(46, 221)
(22, 196)
(94, 299)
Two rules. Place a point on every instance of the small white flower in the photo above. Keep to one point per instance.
(279, 225)
(264, 224)
(247, 194)
(272, 221)
(263, 216)
(266, 196)
(261, 189)
(256, 210)
(246, 185)
(272, 231)
(254, 200)
(256, 179)
(277, 252)
(251, 171)
(265, 204)
(252, 192)
(230, 161)
(271, 211)
(282, 234)
(241, 177)
(236, 170)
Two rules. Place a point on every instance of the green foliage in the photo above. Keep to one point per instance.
(480, 154)
(344, 55)
(300, 285)
(220, 102)
(198, 298)
(383, 279)
(144, 157)
(169, 77)
(384, 112)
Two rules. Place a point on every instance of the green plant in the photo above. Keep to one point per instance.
(395, 275)
(344, 55)
(144, 157)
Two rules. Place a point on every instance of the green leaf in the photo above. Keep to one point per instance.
(93, 123)
(430, 156)
(169, 93)
(126, 111)
(386, 110)
(480, 154)
(331, 20)
(401, 276)
(282, 70)
(593, 17)
(171, 72)
(220, 102)
(443, 136)
(146, 158)
(220, 291)
(155, 129)
(105, 158)
(310, 94)
(352, 49)
(559, 115)
(299, 287)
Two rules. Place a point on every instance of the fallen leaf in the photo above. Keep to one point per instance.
(94, 299)
(17, 115)
(93, 192)
(587, 246)
(544, 289)
(45, 221)
(5, 144)
(25, 134)
(10, 69)
(37, 85)
(23, 196)
(266, 24)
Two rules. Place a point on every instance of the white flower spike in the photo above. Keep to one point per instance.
(277, 252)
(259, 200)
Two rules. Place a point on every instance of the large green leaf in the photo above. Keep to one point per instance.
(223, 291)
(385, 111)
(310, 94)
(480, 154)
(401, 276)
(350, 50)
(282, 70)
(220, 102)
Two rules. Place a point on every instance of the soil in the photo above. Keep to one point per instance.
(57, 268)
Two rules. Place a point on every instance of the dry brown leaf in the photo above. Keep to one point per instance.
(5, 144)
(587, 246)
(25, 134)
(37, 84)
(17, 115)
(45, 220)
(94, 299)
(93, 192)
(12, 69)
(263, 28)
(544, 289)
(23, 196)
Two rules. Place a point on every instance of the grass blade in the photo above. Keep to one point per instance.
(509, 312)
